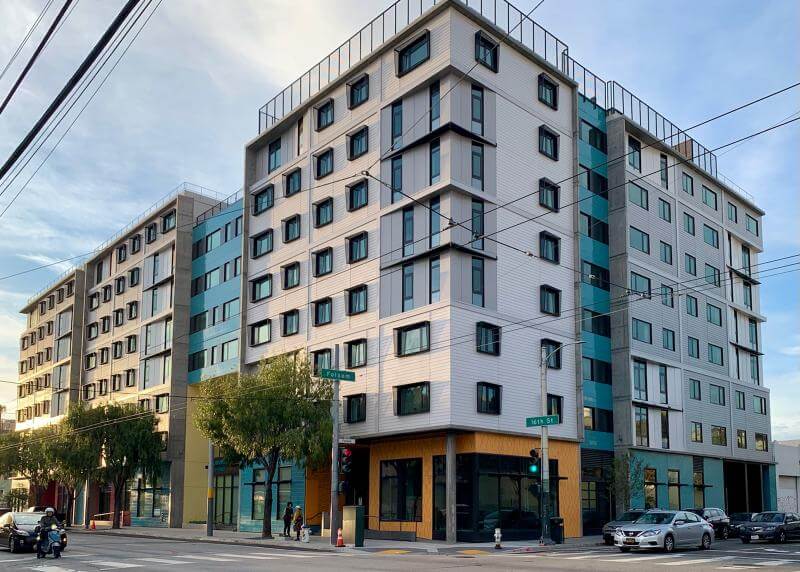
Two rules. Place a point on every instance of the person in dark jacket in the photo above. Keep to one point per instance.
(45, 523)
(287, 519)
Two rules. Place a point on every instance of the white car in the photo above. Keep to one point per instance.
(665, 530)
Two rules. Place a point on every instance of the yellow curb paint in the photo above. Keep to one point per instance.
(474, 552)
(393, 551)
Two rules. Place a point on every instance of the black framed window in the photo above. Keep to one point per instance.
(291, 275)
(274, 155)
(401, 490)
(358, 143)
(413, 339)
(590, 134)
(260, 332)
(478, 281)
(355, 408)
(358, 91)
(397, 178)
(291, 228)
(596, 370)
(325, 115)
(487, 338)
(595, 322)
(548, 91)
(323, 312)
(549, 247)
(290, 322)
(435, 167)
(555, 406)
(476, 109)
(323, 262)
(486, 51)
(477, 166)
(324, 163)
(435, 107)
(553, 350)
(595, 275)
(550, 300)
(263, 200)
(408, 231)
(548, 142)
(489, 398)
(594, 228)
(549, 194)
(357, 195)
(413, 54)
(639, 240)
(357, 247)
(261, 288)
(634, 154)
(642, 331)
(412, 398)
(293, 182)
(323, 212)
(357, 300)
(356, 353)
(407, 287)
(320, 359)
(262, 243)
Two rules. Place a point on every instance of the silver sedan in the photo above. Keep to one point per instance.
(666, 530)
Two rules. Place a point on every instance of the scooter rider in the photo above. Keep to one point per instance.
(45, 523)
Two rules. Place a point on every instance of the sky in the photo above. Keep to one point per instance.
(184, 101)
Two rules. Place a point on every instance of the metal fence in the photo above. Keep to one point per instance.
(219, 207)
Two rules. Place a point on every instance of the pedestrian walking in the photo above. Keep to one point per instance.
(287, 519)
(297, 521)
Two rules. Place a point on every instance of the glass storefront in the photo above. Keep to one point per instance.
(226, 498)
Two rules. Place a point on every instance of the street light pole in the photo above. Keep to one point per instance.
(210, 491)
(334, 515)
(545, 456)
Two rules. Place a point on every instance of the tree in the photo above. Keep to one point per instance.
(128, 444)
(626, 478)
(279, 412)
(75, 451)
(33, 462)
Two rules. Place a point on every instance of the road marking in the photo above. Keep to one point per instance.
(692, 562)
(474, 552)
(163, 561)
(584, 557)
(46, 568)
(773, 563)
(285, 555)
(640, 558)
(735, 567)
(393, 551)
(108, 564)
(210, 558)
(251, 556)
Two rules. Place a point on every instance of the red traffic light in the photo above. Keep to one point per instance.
(347, 452)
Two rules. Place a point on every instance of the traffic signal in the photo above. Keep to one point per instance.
(346, 467)
(534, 463)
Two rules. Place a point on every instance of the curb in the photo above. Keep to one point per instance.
(206, 540)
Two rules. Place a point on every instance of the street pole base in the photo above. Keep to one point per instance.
(546, 542)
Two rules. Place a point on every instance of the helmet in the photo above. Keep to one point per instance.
(49, 510)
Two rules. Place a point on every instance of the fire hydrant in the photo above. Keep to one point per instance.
(497, 538)
(305, 533)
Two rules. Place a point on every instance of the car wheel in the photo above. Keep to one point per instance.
(706, 542)
(12, 546)
(725, 533)
(744, 540)
(669, 543)
(624, 549)
(781, 537)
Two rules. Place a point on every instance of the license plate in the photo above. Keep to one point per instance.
(753, 537)
(630, 541)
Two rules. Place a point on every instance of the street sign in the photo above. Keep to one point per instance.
(343, 441)
(339, 374)
(540, 421)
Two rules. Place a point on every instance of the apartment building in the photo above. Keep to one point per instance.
(352, 258)
(689, 397)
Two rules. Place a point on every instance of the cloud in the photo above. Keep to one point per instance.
(54, 264)
(791, 351)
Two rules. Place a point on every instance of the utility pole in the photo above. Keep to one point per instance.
(210, 502)
(334, 515)
(545, 504)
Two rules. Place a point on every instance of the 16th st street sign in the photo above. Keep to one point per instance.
(339, 374)
(540, 421)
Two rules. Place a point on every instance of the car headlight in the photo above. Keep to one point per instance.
(651, 532)
(618, 530)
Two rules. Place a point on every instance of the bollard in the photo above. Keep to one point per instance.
(92, 526)
(339, 539)
(497, 538)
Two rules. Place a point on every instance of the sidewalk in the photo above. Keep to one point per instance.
(323, 544)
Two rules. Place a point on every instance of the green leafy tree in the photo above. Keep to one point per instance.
(626, 479)
(33, 461)
(279, 412)
(129, 445)
(15, 499)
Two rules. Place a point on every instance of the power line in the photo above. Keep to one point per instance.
(25, 39)
(36, 53)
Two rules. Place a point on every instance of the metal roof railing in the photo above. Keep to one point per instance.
(182, 188)
(219, 207)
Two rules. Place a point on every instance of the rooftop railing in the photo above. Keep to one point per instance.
(218, 208)
(182, 188)
(389, 24)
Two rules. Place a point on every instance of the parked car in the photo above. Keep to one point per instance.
(17, 531)
(666, 530)
(623, 520)
(772, 526)
(717, 518)
(738, 519)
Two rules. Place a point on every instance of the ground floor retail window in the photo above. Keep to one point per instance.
(699, 489)
(589, 495)
(401, 490)
(226, 498)
(674, 489)
(283, 492)
(650, 497)
(149, 499)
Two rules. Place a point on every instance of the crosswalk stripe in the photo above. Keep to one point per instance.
(45, 568)
(640, 558)
(286, 555)
(584, 557)
(163, 561)
(692, 562)
(210, 558)
(773, 563)
(110, 564)
(250, 556)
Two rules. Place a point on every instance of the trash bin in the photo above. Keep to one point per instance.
(353, 525)
(557, 529)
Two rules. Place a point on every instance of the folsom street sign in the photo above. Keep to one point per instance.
(338, 374)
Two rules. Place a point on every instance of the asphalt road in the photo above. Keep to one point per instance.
(91, 553)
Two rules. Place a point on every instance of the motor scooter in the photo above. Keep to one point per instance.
(48, 542)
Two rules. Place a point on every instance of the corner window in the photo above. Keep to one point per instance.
(488, 398)
(324, 163)
(413, 54)
(325, 115)
(358, 91)
(412, 399)
(413, 339)
(548, 91)
(355, 408)
(487, 337)
(486, 50)
(634, 154)
(548, 143)
(358, 143)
